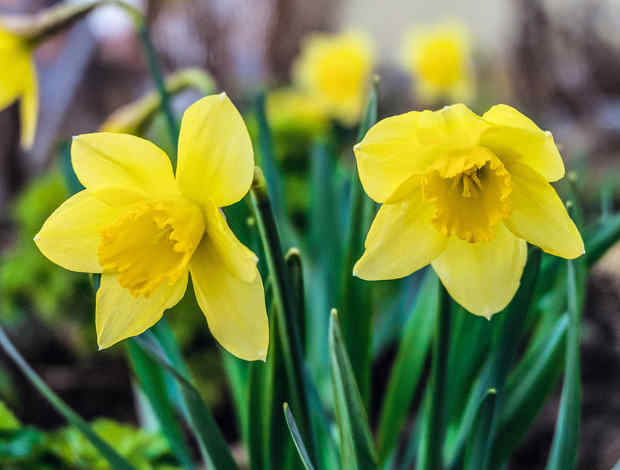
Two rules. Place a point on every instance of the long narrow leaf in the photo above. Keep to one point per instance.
(512, 326)
(299, 443)
(357, 448)
(355, 303)
(212, 444)
(108, 453)
(566, 437)
(408, 366)
(153, 383)
(433, 426)
(286, 306)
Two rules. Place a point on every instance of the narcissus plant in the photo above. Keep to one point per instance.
(146, 231)
(463, 193)
(335, 71)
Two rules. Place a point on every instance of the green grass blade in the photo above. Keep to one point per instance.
(565, 445)
(355, 301)
(511, 327)
(600, 237)
(356, 445)
(408, 366)
(152, 379)
(433, 427)
(299, 443)
(212, 444)
(107, 452)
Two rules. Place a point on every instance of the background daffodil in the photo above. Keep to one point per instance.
(463, 193)
(18, 81)
(334, 70)
(439, 61)
(146, 231)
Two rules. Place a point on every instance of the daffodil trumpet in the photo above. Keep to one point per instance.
(146, 231)
(463, 193)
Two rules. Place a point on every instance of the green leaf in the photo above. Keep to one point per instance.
(355, 301)
(565, 445)
(408, 365)
(600, 237)
(433, 425)
(510, 328)
(356, 445)
(212, 444)
(528, 388)
(286, 308)
(106, 451)
(152, 379)
(299, 443)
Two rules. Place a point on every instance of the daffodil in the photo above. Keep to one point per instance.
(334, 70)
(146, 231)
(463, 193)
(438, 59)
(18, 81)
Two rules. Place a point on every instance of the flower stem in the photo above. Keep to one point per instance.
(286, 305)
(155, 69)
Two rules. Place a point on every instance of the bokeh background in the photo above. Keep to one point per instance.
(555, 60)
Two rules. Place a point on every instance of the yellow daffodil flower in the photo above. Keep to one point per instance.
(438, 60)
(463, 193)
(18, 81)
(146, 231)
(334, 70)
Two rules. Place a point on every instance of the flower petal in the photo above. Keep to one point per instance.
(14, 60)
(539, 216)
(234, 309)
(108, 159)
(400, 146)
(483, 277)
(216, 159)
(29, 105)
(70, 236)
(401, 240)
(515, 137)
(119, 315)
(239, 260)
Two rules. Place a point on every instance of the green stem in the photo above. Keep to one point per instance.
(433, 436)
(154, 67)
(107, 452)
(285, 302)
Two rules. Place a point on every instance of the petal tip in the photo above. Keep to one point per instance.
(223, 96)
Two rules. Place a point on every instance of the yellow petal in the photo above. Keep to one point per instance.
(400, 146)
(119, 315)
(14, 61)
(216, 160)
(515, 137)
(71, 235)
(483, 277)
(239, 260)
(29, 105)
(234, 309)
(107, 159)
(401, 240)
(539, 216)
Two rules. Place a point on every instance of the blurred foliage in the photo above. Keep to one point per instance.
(28, 448)
(28, 280)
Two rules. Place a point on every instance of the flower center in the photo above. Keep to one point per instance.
(471, 193)
(150, 244)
